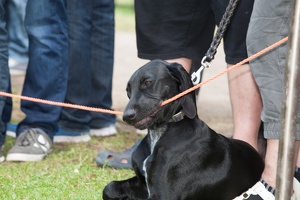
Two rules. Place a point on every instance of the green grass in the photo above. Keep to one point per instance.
(70, 171)
(124, 15)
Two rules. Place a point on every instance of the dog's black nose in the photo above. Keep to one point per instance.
(129, 115)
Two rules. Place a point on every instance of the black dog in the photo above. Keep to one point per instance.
(181, 157)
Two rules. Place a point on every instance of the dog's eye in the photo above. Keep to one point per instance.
(146, 84)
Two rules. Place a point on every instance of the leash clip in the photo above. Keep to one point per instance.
(196, 76)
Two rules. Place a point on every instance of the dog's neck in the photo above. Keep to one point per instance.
(155, 134)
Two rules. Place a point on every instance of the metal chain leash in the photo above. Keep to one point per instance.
(210, 54)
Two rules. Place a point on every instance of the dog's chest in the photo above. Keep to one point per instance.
(155, 135)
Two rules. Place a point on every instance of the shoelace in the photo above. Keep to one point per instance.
(31, 137)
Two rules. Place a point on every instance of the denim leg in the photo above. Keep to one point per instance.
(7, 111)
(18, 40)
(47, 72)
(79, 23)
(91, 54)
(102, 61)
(4, 72)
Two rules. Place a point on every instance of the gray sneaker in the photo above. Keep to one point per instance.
(31, 145)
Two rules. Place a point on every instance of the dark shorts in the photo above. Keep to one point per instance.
(168, 29)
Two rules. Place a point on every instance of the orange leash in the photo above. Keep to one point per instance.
(67, 105)
(225, 71)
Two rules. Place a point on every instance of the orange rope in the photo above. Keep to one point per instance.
(225, 71)
(68, 105)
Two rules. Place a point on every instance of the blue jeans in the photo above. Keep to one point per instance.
(18, 40)
(47, 72)
(91, 56)
(4, 72)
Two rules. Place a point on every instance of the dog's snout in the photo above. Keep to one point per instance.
(129, 115)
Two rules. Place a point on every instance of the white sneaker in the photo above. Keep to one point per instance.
(258, 191)
(103, 132)
(63, 135)
(296, 187)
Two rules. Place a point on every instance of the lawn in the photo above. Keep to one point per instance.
(124, 15)
(70, 171)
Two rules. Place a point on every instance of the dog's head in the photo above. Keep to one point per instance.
(152, 84)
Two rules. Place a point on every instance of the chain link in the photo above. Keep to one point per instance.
(210, 54)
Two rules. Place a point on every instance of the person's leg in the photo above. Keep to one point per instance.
(265, 188)
(102, 62)
(18, 40)
(296, 183)
(4, 74)
(246, 104)
(47, 73)
(74, 123)
(46, 78)
(269, 173)
(93, 60)
(298, 160)
(297, 171)
(244, 94)
(268, 71)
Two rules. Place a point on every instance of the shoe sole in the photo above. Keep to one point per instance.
(109, 131)
(296, 187)
(2, 158)
(24, 157)
(60, 139)
(104, 132)
(72, 139)
(11, 133)
(103, 135)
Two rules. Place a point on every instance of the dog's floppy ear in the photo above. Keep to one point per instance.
(189, 101)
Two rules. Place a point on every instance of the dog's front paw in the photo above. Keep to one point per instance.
(112, 191)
